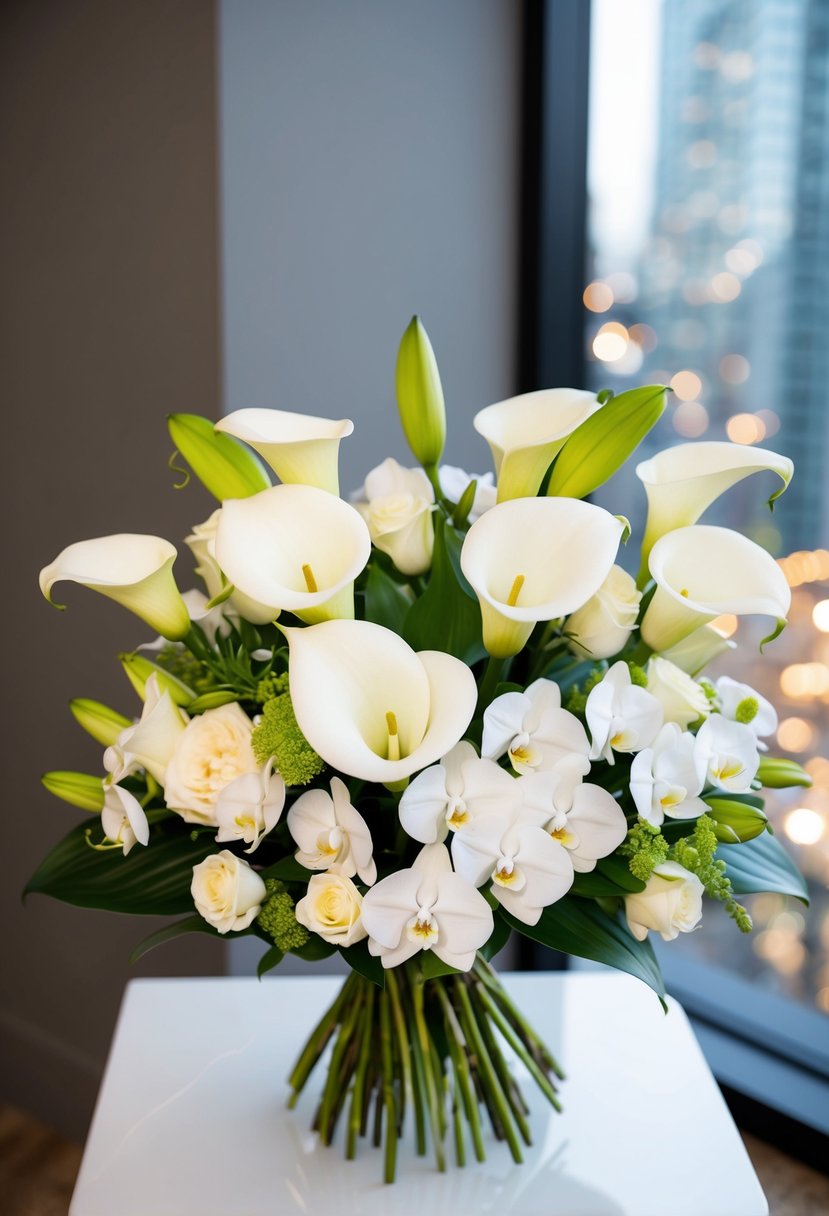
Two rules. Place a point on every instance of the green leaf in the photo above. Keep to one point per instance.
(314, 949)
(498, 938)
(365, 964)
(151, 881)
(270, 959)
(447, 616)
(762, 864)
(579, 927)
(193, 924)
(386, 602)
(222, 464)
(288, 870)
(611, 876)
(431, 967)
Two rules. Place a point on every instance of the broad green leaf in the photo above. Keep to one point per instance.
(287, 869)
(222, 464)
(270, 959)
(611, 876)
(498, 938)
(365, 964)
(446, 617)
(431, 967)
(762, 864)
(193, 924)
(386, 602)
(314, 949)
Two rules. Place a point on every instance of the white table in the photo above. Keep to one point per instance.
(191, 1118)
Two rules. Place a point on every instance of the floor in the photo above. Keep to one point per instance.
(38, 1169)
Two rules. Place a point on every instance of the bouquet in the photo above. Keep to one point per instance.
(405, 726)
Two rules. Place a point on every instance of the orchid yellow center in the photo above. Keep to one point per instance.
(727, 770)
(394, 738)
(245, 821)
(457, 814)
(506, 874)
(564, 837)
(310, 581)
(329, 843)
(673, 798)
(515, 590)
(422, 929)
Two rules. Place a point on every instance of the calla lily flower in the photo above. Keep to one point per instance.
(589, 824)
(249, 806)
(454, 793)
(300, 448)
(621, 716)
(726, 754)
(372, 707)
(526, 433)
(664, 779)
(702, 572)
(536, 559)
(426, 908)
(123, 819)
(538, 735)
(682, 482)
(134, 570)
(696, 651)
(742, 703)
(294, 547)
(332, 834)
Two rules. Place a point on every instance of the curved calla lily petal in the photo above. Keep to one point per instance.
(526, 433)
(702, 572)
(294, 547)
(696, 651)
(300, 448)
(536, 559)
(372, 707)
(133, 569)
(683, 481)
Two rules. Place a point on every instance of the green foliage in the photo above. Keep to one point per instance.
(186, 668)
(447, 616)
(576, 699)
(193, 924)
(365, 964)
(697, 853)
(638, 675)
(420, 395)
(645, 848)
(735, 821)
(385, 601)
(778, 774)
(278, 735)
(611, 877)
(270, 686)
(78, 789)
(270, 959)
(762, 864)
(277, 918)
(225, 467)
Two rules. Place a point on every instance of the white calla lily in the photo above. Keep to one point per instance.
(742, 703)
(332, 834)
(536, 734)
(294, 547)
(371, 706)
(590, 824)
(123, 818)
(695, 652)
(453, 794)
(130, 568)
(397, 505)
(428, 907)
(726, 754)
(682, 482)
(621, 716)
(664, 778)
(702, 572)
(536, 559)
(526, 433)
(202, 544)
(300, 448)
(249, 807)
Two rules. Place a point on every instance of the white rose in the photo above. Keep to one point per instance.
(227, 892)
(681, 698)
(213, 750)
(670, 904)
(603, 625)
(398, 505)
(332, 908)
(453, 482)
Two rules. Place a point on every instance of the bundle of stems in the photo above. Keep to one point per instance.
(434, 1047)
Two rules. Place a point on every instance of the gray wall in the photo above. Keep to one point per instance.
(109, 321)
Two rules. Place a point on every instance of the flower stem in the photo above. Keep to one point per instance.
(357, 1113)
(390, 1158)
(488, 1077)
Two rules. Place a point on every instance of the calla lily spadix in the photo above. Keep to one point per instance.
(133, 569)
(536, 559)
(294, 547)
(702, 572)
(371, 706)
(300, 448)
(526, 433)
(682, 482)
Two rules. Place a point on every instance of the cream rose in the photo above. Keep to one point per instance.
(680, 696)
(213, 750)
(398, 505)
(332, 908)
(670, 904)
(227, 892)
(603, 625)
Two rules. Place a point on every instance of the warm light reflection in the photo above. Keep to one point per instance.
(646, 338)
(725, 625)
(804, 826)
(803, 680)
(597, 296)
(687, 385)
(745, 428)
(735, 369)
(820, 616)
(741, 261)
(805, 566)
(725, 287)
(611, 342)
(795, 734)
(690, 419)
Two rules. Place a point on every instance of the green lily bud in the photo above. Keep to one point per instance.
(79, 789)
(138, 671)
(224, 466)
(735, 822)
(778, 774)
(603, 442)
(99, 721)
(420, 395)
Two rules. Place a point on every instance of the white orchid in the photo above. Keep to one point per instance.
(453, 794)
(294, 547)
(397, 505)
(454, 482)
(249, 806)
(525, 434)
(621, 716)
(664, 778)
(123, 818)
(536, 559)
(702, 572)
(602, 626)
(428, 907)
(371, 706)
(536, 734)
(682, 482)
(332, 834)
(300, 448)
(681, 698)
(726, 754)
(134, 570)
(150, 742)
(529, 869)
(589, 825)
(742, 703)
